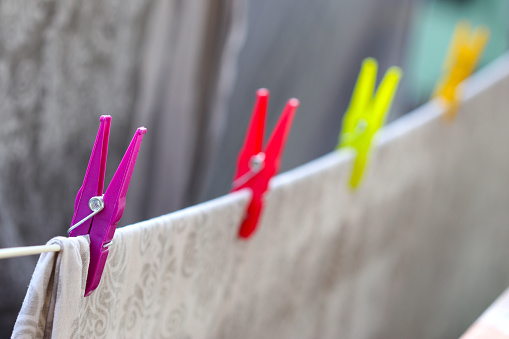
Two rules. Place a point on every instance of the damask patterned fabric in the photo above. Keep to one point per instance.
(417, 252)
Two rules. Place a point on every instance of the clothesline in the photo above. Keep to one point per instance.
(27, 250)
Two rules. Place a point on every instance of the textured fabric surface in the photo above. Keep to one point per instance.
(417, 252)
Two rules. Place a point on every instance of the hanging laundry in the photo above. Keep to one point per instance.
(184, 69)
(56, 292)
(410, 255)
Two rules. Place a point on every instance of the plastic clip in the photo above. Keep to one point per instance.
(106, 209)
(255, 167)
(465, 51)
(366, 114)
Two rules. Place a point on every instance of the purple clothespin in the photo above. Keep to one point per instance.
(106, 209)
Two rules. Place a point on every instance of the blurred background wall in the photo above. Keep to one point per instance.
(188, 71)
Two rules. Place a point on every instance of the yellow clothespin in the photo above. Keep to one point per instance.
(465, 51)
(366, 114)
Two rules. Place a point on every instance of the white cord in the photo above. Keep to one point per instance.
(27, 250)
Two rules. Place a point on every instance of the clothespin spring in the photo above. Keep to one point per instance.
(256, 164)
(359, 131)
(96, 204)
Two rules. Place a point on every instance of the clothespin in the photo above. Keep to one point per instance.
(106, 209)
(366, 114)
(465, 51)
(255, 167)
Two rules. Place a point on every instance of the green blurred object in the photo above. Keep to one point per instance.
(433, 30)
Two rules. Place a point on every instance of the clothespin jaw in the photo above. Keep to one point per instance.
(464, 54)
(107, 209)
(93, 183)
(366, 113)
(255, 167)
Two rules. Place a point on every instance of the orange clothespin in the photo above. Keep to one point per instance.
(465, 51)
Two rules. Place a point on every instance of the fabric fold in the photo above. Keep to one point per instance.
(54, 297)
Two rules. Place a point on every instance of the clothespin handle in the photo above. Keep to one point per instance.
(93, 182)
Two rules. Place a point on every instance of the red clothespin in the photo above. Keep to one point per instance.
(256, 167)
(106, 209)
